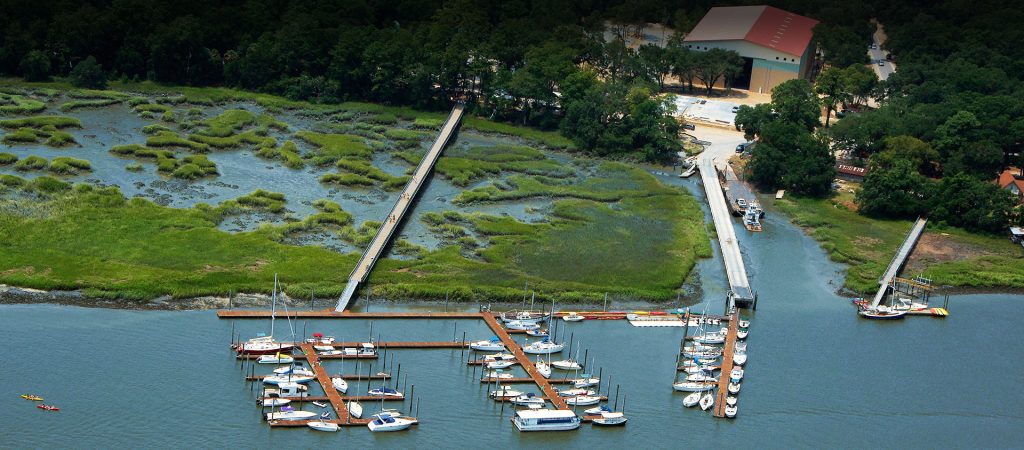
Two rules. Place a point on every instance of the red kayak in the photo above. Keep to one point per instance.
(48, 407)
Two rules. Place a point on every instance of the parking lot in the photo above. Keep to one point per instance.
(717, 111)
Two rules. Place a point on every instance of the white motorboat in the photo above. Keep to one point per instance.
(279, 358)
(393, 412)
(540, 332)
(366, 349)
(331, 353)
(320, 404)
(543, 368)
(546, 420)
(500, 357)
(736, 375)
(320, 339)
(585, 381)
(275, 401)
(610, 419)
(692, 399)
(492, 345)
(289, 413)
(575, 392)
(730, 411)
(596, 411)
(692, 386)
(385, 392)
(573, 317)
(288, 390)
(323, 348)
(739, 358)
(323, 426)
(263, 345)
(702, 355)
(521, 325)
(566, 364)
(698, 369)
(355, 409)
(499, 375)
(528, 399)
(740, 347)
(524, 316)
(294, 370)
(742, 334)
(544, 347)
(744, 324)
(505, 393)
(701, 378)
(707, 401)
(730, 400)
(710, 338)
(582, 400)
(385, 422)
(287, 378)
(340, 384)
(499, 364)
(734, 388)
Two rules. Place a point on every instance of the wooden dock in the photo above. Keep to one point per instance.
(723, 378)
(898, 260)
(332, 314)
(524, 380)
(525, 362)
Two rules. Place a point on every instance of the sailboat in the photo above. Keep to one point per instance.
(543, 368)
(707, 401)
(692, 399)
(278, 358)
(340, 384)
(265, 344)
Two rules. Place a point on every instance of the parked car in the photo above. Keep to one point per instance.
(742, 147)
(881, 62)
(735, 108)
(689, 126)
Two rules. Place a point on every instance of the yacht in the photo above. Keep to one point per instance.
(340, 384)
(500, 357)
(275, 401)
(294, 370)
(730, 411)
(494, 374)
(355, 409)
(289, 413)
(505, 393)
(739, 358)
(528, 399)
(544, 347)
(692, 399)
(321, 425)
(573, 317)
(522, 325)
(583, 400)
(539, 332)
(500, 364)
(278, 358)
(693, 386)
(736, 375)
(543, 368)
(566, 364)
(493, 345)
(385, 422)
(546, 420)
(608, 419)
(287, 378)
(385, 392)
(585, 381)
(707, 401)
(734, 388)
(575, 392)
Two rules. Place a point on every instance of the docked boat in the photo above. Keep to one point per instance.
(573, 317)
(288, 378)
(320, 404)
(575, 392)
(323, 348)
(582, 400)
(277, 358)
(539, 332)
(543, 368)
(742, 334)
(289, 413)
(492, 345)
(390, 411)
(730, 411)
(34, 398)
(730, 401)
(287, 390)
(334, 352)
(494, 374)
(505, 393)
(524, 316)
(739, 358)
(734, 388)
(703, 355)
(740, 347)
(386, 422)
(701, 378)
(500, 357)
(744, 324)
(365, 349)
(384, 391)
(340, 384)
(263, 345)
(707, 401)
(528, 399)
(48, 407)
(608, 419)
(320, 339)
(692, 386)
(522, 325)
(544, 347)
(710, 338)
(699, 369)
(274, 401)
(596, 411)
(692, 399)
(736, 375)
(883, 312)
(585, 381)
(355, 409)
(321, 425)
(294, 370)
(499, 364)
(546, 420)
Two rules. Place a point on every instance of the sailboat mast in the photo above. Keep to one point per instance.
(273, 306)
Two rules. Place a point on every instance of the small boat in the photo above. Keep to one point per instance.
(289, 413)
(707, 401)
(323, 348)
(340, 384)
(546, 420)
(274, 401)
(582, 400)
(320, 404)
(573, 317)
(385, 392)
(544, 347)
(505, 393)
(288, 378)
(366, 349)
(744, 324)
(693, 386)
(525, 316)
(539, 332)
(566, 364)
(323, 426)
(883, 312)
(355, 409)
(730, 401)
(739, 358)
(319, 338)
(294, 370)
(730, 411)
(710, 338)
(334, 352)
(701, 378)
(544, 369)
(386, 422)
(494, 374)
(279, 358)
(703, 355)
(608, 419)
(692, 399)
(521, 325)
(500, 357)
(575, 392)
(528, 399)
(393, 412)
(499, 364)
(741, 347)
(585, 381)
(492, 345)
(736, 375)
(598, 410)
(263, 345)
(742, 334)
(734, 388)
(699, 369)
(34, 398)
(48, 407)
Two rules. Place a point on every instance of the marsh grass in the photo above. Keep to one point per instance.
(77, 104)
(19, 104)
(172, 139)
(287, 152)
(330, 148)
(32, 162)
(7, 159)
(41, 121)
(63, 165)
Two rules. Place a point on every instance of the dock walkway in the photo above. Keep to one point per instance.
(524, 361)
(404, 202)
(723, 377)
(739, 285)
(899, 260)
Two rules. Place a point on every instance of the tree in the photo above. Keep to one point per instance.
(35, 66)
(921, 156)
(842, 46)
(790, 157)
(795, 102)
(895, 191)
(88, 74)
(656, 63)
(684, 61)
(710, 66)
(734, 64)
(972, 204)
(860, 82)
(832, 84)
(752, 119)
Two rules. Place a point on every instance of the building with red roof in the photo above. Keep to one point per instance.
(776, 45)
(1012, 181)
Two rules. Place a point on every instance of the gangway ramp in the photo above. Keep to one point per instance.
(899, 260)
(734, 268)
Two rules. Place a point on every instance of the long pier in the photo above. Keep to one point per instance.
(899, 260)
(332, 314)
(405, 200)
(723, 377)
(740, 293)
(525, 362)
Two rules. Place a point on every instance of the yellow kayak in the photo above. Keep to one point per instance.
(34, 398)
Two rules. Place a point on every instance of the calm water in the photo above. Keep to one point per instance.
(818, 377)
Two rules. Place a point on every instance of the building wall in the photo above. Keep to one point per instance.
(770, 67)
(765, 75)
(745, 49)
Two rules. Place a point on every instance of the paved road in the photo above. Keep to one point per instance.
(877, 54)
(723, 142)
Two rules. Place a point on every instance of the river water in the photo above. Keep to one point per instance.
(817, 377)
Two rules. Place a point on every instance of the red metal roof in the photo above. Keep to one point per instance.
(782, 31)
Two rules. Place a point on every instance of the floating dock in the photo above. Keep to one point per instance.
(898, 260)
(723, 377)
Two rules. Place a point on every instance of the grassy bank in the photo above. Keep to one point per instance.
(948, 256)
